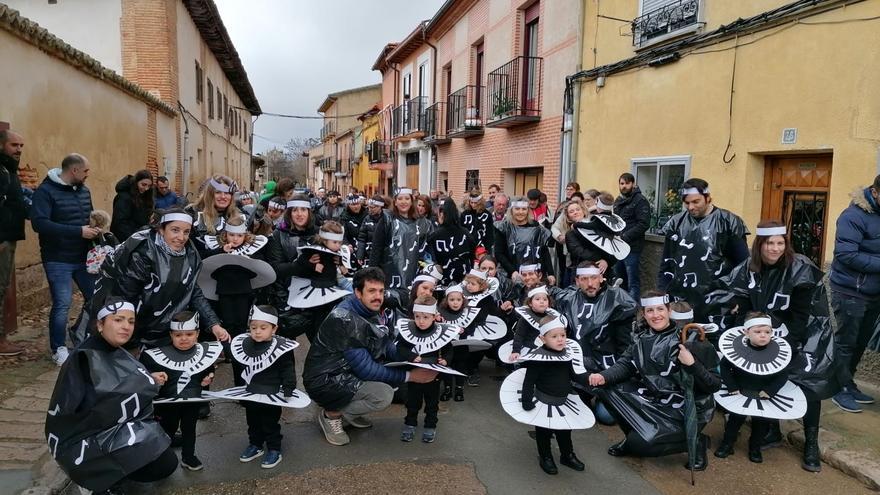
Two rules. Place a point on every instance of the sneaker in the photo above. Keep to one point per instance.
(332, 428)
(407, 433)
(429, 435)
(273, 457)
(192, 463)
(60, 355)
(473, 380)
(250, 453)
(858, 395)
(7, 348)
(844, 400)
(358, 422)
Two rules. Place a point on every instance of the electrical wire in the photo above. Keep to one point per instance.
(730, 108)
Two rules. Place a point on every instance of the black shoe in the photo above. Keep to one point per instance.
(192, 463)
(724, 450)
(459, 394)
(548, 465)
(571, 461)
(701, 460)
(618, 449)
(755, 455)
(773, 438)
(447, 394)
(811, 460)
(205, 411)
(177, 440)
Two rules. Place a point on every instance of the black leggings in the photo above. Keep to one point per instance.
(563, 438)
(185, 416)
(418, 394)
(263, 425)
(156, 470)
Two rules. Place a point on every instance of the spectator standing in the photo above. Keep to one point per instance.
(165, 197)
(499, 207)
(635, 210)
(855, 287)
(538, 208)
(60, 216)
(133, 204)
(13, 212)
(493, 190)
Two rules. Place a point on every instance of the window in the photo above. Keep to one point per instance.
(406, 87)
(210, 99)
(423, 79)
(244, 131)
(200, 83)
(219, 104)
(663, 19)
(471, 180)
(225, 112)
(660, 180)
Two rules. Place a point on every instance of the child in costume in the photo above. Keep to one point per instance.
(453, 310)
(754, 373)
(528, 324)
(490, 326)
(541, 395)
(187, 366)
(318, 272)
(425, 341)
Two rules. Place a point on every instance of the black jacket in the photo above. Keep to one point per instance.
(365, 237)
(58, 214)
(13, 210)
(635, 210)
(128, 217)
(452, 249)
(351, 225)
(281, 253)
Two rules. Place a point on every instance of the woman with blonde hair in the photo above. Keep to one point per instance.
(214, 207)
(572, 212)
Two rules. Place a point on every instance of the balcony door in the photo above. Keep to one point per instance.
(530, 54)
(478, 82)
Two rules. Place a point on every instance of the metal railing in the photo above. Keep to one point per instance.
(665, 20)
(379, 151)
(409, 117)
(465, 110)
(435, 122)
(515, 89)
(328, 131)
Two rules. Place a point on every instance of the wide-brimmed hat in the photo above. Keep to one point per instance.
(263, 272)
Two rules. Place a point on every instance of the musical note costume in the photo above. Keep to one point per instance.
(517, 245)
(365, 237)
(479, 226)
(398, 244)
(526, 331)
(282, 252)
(452, 249)
(310, 288)
(100, 427)
(597, 238)
(643, 390)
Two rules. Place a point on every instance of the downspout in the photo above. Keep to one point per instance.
(432, 182)
(570, 116)
(185, 178)
(251, 158)
(391, 120)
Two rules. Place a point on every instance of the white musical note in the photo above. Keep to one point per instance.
(674, 237)
(809, 358)
(395, 281)
(405, 265)
(159, 313)
(706, 256)
(186, 277)
(586, 306)
(690, 275)
(577, 333)
(53, 448)
(82, 453)
(720, 269)
(785, 301)
(599, 333)
(683, 258)
(55, 410)
(415, 243)
(669, 369)
(752, 282)
(688, 245)
(132, 436)
(137, 408)
(444, 248)
(528, 250)
(461, 242)
(148, 376)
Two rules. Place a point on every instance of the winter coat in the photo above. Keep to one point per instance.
(345, 353)
(855, 270)
(164, 202)
(635, 210)
(365, 237)
(58, 214)
(128, 217)
(13, 210)
(330, 212)
(351, 225)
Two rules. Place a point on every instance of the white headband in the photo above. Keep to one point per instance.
(476, 198)
(277, 206)
(424, 278)
(376, 202)
(529, 268)
(537, 290)
(588, 270)
(404, 190)
(221, 187)
(479, 274)
(768, 231)
(112, 309)
(687, 315)
(519, 204)
(758, 321)
(654, 301)
(454, 288)
(434, 271)
(176, 217)
(236, 229)
(354, 201)
(602, 206)
(556, 323)
(332, 236)
(190, 324)
(258, 315)
(298, 203)
(420, 308)
(693, 190)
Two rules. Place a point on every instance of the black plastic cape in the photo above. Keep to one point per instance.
(398, 244)
(452, 249)
(100, 425)
(644, 389)
(516, 245)
(814, 367)
(480, 227)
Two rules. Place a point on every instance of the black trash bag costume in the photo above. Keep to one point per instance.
(480, 227)
(517, 245)
(100, 425)
(185, 369)
(597, 238)
(282, 252)
(398, 244)
(644, 391)
(452, 249)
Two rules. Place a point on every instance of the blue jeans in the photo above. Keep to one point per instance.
(855, 326)
(628, 270)
(60, 276)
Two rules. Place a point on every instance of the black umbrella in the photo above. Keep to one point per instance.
(690, 407)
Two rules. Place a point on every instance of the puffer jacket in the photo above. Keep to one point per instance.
(13, 210)
(58, 214)
(855, 270)
(128, 217)
(635, 210)
(346, 353)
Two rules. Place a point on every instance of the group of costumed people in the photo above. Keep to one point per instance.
(745, 331)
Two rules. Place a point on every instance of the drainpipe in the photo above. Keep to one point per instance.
(185, 178)
(432, 181)
(571, 105)
(251, 155)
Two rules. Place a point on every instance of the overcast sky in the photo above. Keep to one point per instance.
(297, 51)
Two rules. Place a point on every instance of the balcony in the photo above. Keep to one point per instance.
(515, 93)
(408, 119)
(464, 117)
(435, 124)
(380, 155)
(328, 131)
(666, 22)
(325, 164)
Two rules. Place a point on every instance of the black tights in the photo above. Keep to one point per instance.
(185, 416)
(563, 438)
(159, 469)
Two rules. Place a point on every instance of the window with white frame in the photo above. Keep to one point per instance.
(659, 20)
(660, 179)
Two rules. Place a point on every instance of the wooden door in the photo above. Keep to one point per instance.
(796, 192)
(412, 177)
(527, 178)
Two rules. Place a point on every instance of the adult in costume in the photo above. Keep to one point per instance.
(450, 246)
(214, 207)
(351, 220)
(702, 244)
(399, 241)
(157, 269)
(100, 427)
(477, 220)
(597, 238)
(520, 240)
(375, 206)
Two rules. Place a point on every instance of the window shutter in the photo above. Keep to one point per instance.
(651, 5)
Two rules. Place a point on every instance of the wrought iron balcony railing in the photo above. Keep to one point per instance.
(666, 20)
(328, 131)
(435, 124)
(515, 92)
(408, 118)
(379, 151)
(465, 107)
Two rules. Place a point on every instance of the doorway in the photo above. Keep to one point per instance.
(527, 178)
(796, 192)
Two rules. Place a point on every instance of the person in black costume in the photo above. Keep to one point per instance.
(399, 241)
(644, 390)
(133, 204)
(100, 427)
(375, 206)
(597, 238)
(351, 220)
(519, 240)
(213, 209)
(450, 246)
(477, 220)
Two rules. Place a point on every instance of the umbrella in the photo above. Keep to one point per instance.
(690, 406)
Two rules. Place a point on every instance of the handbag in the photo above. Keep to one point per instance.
(96, 256)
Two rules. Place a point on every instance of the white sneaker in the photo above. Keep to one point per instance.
(60, 355)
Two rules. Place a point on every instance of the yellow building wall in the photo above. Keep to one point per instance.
(820, 79)
(362, 177)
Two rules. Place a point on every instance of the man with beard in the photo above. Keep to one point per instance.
(702, 244)
(343, 372)
(635, 210)
(13, 212)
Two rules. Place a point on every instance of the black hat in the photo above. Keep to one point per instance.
(533, 194)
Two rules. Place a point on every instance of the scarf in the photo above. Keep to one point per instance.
(165, 248)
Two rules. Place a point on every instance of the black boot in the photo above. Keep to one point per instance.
(773, 438)
(447, 393)
(571, 461)
(548, 465)
(811, 460)
(755, 444)
(459, 394)
(618, 449)
(724, 450)
(701, 460)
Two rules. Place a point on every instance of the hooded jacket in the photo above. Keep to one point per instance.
(855, 270)
(128, 217)
(58, 214)
(13, 211)
(635, 210)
